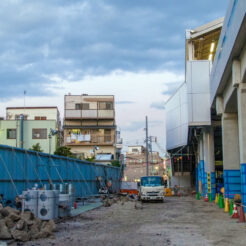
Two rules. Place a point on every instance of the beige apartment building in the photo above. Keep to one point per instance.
(136, 163)
(89, 126)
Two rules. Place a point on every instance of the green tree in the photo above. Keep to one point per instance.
(64, 151)
(115, 163)
(36, 147)
(91, 159)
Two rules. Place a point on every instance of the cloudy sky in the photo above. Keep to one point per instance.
(133, 49)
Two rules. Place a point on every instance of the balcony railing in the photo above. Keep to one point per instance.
(89, 114)
(90, 139)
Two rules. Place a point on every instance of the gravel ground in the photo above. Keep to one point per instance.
(177, 221)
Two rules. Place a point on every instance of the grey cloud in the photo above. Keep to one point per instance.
(75, 38)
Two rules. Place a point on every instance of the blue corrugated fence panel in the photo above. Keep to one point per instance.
(26, 168)
(206, 183)
(243, 183)
(232, 183)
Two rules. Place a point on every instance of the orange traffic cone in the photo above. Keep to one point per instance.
(235, 213)
(206, 198)
(242, 215)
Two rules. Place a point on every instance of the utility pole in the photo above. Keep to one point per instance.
(151, 156)
(147, 147)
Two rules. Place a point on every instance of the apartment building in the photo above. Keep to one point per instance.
(89, 126)
(136, 163)
(35, 128)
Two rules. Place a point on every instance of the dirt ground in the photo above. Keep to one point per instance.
(177, 221)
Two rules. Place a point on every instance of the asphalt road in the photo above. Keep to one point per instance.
(177, 221)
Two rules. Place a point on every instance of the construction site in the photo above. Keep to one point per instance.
(79, 184)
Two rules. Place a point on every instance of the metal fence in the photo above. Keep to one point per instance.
(20, 169)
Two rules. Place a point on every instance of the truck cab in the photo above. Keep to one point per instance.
(151, 188)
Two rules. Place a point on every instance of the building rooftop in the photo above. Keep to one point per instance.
(45, 107)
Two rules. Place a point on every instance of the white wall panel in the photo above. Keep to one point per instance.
(197, 79)
(201, 109)
(177, 119)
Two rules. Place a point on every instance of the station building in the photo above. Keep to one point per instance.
(206, 116)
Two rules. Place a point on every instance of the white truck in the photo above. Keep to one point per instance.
(151, 188)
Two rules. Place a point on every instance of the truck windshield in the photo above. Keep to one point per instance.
(152, 181)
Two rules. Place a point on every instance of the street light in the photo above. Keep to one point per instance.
(94, 150)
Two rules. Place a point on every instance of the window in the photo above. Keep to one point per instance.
(11, 133)
(107, 131)
(107, 135)
(40, 118)
(85, 106)
(39, 133)
(106, 105)
(82, 106)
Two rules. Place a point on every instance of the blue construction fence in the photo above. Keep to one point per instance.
(21, 169)
(243, 182)
(232, 183)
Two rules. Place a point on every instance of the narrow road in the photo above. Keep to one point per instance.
(177, 221)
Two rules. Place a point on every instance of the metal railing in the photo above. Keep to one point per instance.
(90, 139)
(89, 114)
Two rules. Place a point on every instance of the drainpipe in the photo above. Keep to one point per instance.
(22, 131)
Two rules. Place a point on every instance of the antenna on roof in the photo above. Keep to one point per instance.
(24, 101)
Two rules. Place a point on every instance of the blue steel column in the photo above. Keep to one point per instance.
(201, 169)
(198, 173)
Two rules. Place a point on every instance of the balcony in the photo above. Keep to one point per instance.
(90, 139)
(89, 114)
(119, 143)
